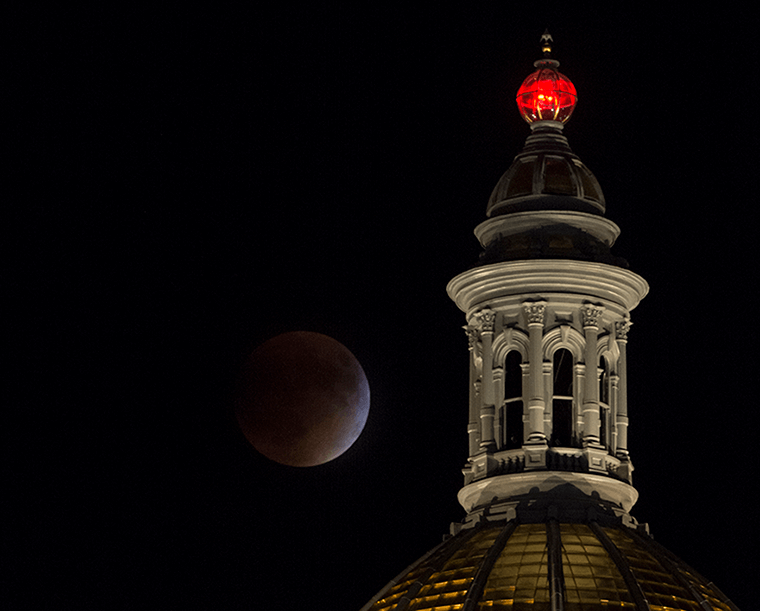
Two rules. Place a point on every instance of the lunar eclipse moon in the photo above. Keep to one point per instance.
(303, 399)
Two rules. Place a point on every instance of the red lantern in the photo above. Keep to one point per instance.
(546, 95)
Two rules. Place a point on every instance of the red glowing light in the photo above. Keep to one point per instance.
(546, 95)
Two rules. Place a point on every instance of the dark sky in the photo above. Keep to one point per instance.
(194, 182)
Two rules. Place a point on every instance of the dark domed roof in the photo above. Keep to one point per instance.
(546, 175)
(530, 566)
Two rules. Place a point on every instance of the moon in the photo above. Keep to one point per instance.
(303, 400)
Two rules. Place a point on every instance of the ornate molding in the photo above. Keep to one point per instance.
(508, 282)
(472, 336)
(474, 346)
(614, 351)
(510, 339)
(563, 337)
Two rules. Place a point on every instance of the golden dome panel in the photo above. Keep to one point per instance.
(524, 567)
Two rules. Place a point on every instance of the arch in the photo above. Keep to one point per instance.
(564, 407)
(608, 355)
(563, 336)
(605, 400)
(508, 374)
(607, 347)
(510, 339)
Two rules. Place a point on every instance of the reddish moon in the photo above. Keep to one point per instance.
(303, 400)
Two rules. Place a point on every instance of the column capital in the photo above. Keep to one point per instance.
(486, 320)
(590, 314)
(621, 329)
(534, 312)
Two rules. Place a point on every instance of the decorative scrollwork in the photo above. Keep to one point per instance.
(472, 336)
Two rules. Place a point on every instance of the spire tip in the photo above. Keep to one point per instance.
(546, 43)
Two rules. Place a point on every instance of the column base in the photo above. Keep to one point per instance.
(596, 456)
(535, 454)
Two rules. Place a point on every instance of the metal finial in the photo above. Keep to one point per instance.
(546, 43)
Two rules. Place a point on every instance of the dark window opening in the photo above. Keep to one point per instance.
(562, 425)
(590, 186)
(514, 428)
(521, 182)
(604, 405)
(513, 417)
(562, 399)
(604, 426)
(558, 178)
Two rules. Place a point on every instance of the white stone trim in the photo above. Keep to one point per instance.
(510, 283)
(520, 222)
(531, 484)
(508, 340)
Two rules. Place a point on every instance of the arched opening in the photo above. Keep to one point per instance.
(513, 404)
(562, 398)
(604, 404)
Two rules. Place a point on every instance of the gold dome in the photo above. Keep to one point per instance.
(548, 566)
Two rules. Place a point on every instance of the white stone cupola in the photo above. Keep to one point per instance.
(548, 312)
(547, 485)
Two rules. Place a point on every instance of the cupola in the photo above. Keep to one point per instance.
(548, 204)
(548, 484)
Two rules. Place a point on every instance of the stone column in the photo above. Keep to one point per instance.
(621, 421)
(486, 320)
(498, 425)
(534, 314)
(473, 425)
(614, 392)
(525, 381)
(590, 318)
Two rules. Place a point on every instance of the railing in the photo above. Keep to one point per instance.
(557, 459)
(561, 461)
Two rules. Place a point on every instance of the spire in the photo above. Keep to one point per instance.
(549, 181)
(547, 175)
(546, 95)
(546, 43)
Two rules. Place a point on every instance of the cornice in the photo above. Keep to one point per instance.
(542, 277)
(555, 485)
(520, 222)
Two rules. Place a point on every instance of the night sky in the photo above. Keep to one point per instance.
(195, 182)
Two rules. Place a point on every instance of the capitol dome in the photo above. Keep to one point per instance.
(582, 566)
